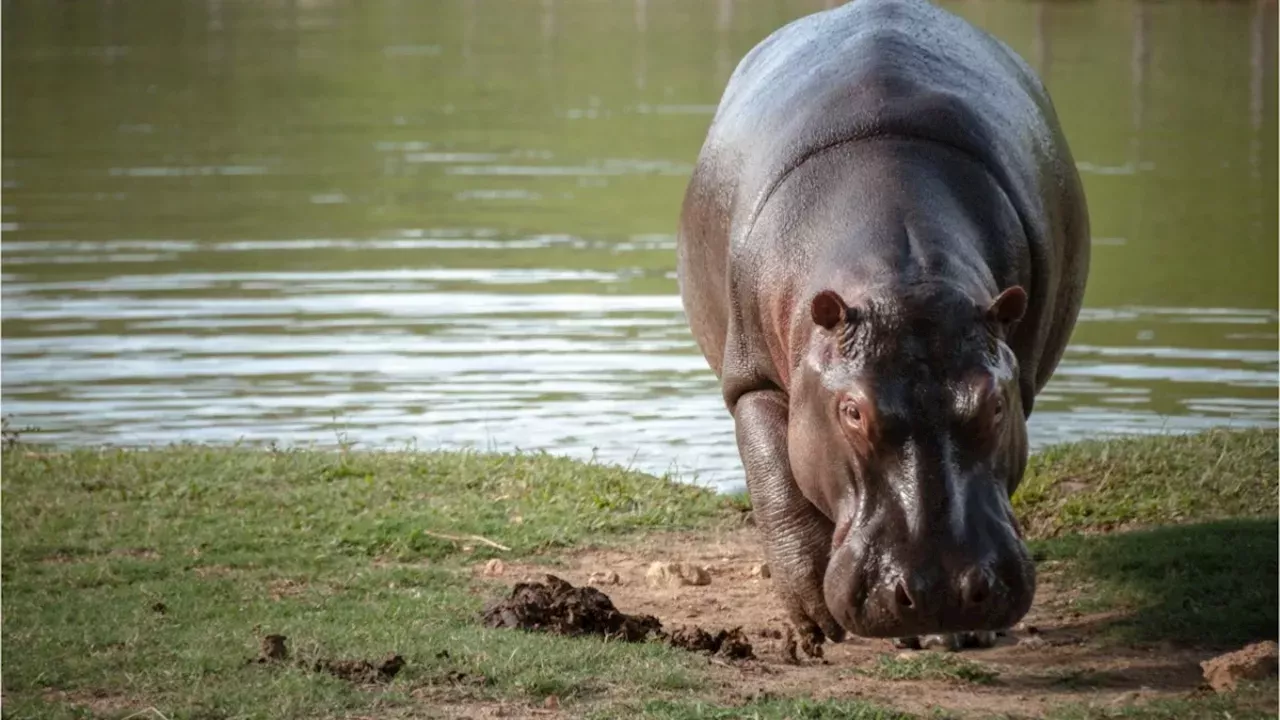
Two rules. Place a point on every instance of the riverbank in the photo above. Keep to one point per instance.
(148, 579)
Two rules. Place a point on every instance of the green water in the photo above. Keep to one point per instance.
(452, 222)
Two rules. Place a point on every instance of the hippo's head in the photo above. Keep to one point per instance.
(907, 429)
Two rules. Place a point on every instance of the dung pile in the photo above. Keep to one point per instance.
(556, 606)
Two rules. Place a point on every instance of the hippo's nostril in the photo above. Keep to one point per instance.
(902, 595)
(975, 587)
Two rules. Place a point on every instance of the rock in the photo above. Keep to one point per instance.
(494, 567)
(1253, 662)
(551, 703)
(760, 570)
(607, 577)
(664, 574)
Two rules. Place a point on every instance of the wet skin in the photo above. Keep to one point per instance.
(882, 253)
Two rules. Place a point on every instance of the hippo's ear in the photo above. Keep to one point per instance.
(1008, 307)
(828, 309)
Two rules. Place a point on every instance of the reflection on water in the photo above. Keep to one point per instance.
(451, 223)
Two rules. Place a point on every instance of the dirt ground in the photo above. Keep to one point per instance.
(1066, 664)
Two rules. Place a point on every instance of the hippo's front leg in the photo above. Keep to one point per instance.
(797, 536)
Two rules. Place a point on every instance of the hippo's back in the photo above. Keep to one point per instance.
(877, 68)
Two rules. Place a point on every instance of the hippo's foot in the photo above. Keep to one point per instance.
(952, 642)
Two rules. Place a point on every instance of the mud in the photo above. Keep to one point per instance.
(274, 650)
(363, 672)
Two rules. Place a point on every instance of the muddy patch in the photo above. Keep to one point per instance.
(556, 606)
(274, 650)
(361, 671)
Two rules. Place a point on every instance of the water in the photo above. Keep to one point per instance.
(451, 223)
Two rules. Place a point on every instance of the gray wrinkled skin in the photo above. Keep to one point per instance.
(882, 253)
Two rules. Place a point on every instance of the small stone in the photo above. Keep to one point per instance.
(665, 574)
(760, 570)
(1253, 662)
(606, 577)
(494, 567)
(551, 703)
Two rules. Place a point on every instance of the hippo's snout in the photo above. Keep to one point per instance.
(876, 587)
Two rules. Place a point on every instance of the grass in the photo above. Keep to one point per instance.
(1209, 584)
(342, 552)
(947, 667)
(1251, 701)
(328, 549)
(1108, 485)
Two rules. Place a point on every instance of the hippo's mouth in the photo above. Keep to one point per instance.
(876, 595)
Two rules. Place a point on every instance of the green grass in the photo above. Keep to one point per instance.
(1105, 485)
(325, 548)
(1209, 584)
(931, 666)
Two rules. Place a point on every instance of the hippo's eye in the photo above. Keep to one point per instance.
(852, 414)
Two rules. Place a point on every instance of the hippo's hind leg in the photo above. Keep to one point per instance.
(797, 536)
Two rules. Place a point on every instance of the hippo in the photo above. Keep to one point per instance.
(882, 252)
